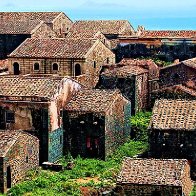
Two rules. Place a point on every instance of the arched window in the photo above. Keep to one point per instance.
(55, 67)
(77, 70)
(16, 68)
(36, 66)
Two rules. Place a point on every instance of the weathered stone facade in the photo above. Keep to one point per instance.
(172, 132)
(21, 156)
(34, 106)
(99, 119)
(178, 73)
(82, 57)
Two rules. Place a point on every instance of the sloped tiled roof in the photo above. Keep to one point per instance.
(41, 16)
(17, 86)
(18, 26)
(93, 100)
(174, 115)
(168, 34)
(152, 171)
(7, 139)
(53, 48)
(125, 71)
(88, 28)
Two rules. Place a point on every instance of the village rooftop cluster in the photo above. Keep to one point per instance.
(72, 87)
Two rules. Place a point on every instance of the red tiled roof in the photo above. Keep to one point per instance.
(41, 16)
(53, 48)
(125, 71)
(8, 138)
(18, 26)
(152, 171)
(174, 115)
(93, 100)
(90, 27)
(18, 86)
(168, 34)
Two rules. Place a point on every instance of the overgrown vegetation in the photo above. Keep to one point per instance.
(139, 126)
(68, 182)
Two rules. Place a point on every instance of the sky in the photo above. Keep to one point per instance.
(153, 14)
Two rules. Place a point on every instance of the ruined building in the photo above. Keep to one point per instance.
(135, 78)
(96, 122)
(19, 154)
(172, 131)
(34, 104)
(17, 26)
(156, 177)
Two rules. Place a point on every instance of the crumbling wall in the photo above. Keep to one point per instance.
(44, 31)
(117, 129)
(23, 156)
(173, 144)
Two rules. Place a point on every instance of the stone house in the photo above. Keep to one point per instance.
(96, 122)
(65, 57)
(172, 130)
(178, 73)
(156, 177)
(135, 78)
(165, 44)
(19, 153)
(34, 104)
(110, 30)
(18, 26)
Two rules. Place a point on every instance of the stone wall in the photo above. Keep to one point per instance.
(117, 129)
(141, 92)
(61, 25)
(96, 57)
(150, 190)
(23, 156)
(1, 175)
(27, 66)
(176, 75)
(174, 144)
(43, 31)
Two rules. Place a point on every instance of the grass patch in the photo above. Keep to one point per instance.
(44, 182)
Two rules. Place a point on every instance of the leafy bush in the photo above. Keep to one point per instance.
(139, 125)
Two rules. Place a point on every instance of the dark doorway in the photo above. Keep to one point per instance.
(92, 146)
(77, 70)
(9, 180)
(2, 119)
(16, 68)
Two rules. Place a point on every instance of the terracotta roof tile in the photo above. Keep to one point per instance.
(152, 171)
(174, 115)
(44, 16)
(93, 100)
(90, 27)
(53, 48)
(28, 86)
(18, 26)
(168, 34)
